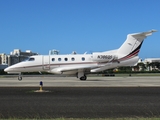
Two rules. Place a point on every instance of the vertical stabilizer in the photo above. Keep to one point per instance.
(132, 45)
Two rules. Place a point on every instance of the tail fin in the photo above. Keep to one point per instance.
(132, 45)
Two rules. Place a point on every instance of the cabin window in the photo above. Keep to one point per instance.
(66, 59)
(31, 59)
(83, 59)
(59, 59)
(72, 59)
(53, 59)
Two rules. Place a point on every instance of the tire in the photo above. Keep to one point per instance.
(19, 78)
(83, 78)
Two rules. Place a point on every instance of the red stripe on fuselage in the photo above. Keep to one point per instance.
(130, 55)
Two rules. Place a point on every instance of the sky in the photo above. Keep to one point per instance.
(77, 25)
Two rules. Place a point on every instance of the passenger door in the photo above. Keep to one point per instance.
(46, 62)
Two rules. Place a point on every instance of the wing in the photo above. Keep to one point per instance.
(74, 68)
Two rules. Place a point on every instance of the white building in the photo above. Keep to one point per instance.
(54, 52)
(15, 56)
(3, 61)
(20, 53)
(3, 58)
(151, 60)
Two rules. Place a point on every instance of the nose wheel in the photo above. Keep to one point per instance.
(19, 77)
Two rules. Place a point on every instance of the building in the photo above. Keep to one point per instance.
(14, 57)
(151, 60)
(152, 64)
(3, 58)
(17, 56)
(148, 64)
(3, 61)
(18, 52)
(54, 52)
(3, 66)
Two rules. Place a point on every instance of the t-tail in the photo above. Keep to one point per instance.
(131, 47)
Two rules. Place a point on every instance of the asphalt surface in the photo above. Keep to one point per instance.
(79, 102)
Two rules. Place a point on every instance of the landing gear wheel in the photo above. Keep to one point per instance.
(83, 78)
(19, 78)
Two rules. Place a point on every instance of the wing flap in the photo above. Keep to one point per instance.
(72, 68)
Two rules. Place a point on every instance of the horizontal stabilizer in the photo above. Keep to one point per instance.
(144, 33)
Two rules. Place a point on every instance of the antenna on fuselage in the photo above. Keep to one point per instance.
(74, 53)
(85, 53)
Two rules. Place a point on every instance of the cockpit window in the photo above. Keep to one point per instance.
(26, 59)
(31, 59)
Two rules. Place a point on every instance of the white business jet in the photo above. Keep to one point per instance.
(83, 64)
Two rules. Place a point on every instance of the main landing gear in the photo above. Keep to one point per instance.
(81, 76)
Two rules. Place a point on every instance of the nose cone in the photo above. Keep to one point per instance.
(8, 69)
(11, 70)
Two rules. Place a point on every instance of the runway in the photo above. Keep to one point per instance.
(52, 81)
(101, 97)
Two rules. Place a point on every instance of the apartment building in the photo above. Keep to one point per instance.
(17, 56)
(14, 57)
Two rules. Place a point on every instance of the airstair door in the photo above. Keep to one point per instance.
(46, 62)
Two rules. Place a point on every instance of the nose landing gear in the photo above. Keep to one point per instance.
(20, 77)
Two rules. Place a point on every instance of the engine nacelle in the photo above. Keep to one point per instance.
(101, 57)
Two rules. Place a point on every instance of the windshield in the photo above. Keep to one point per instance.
(31, 59)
